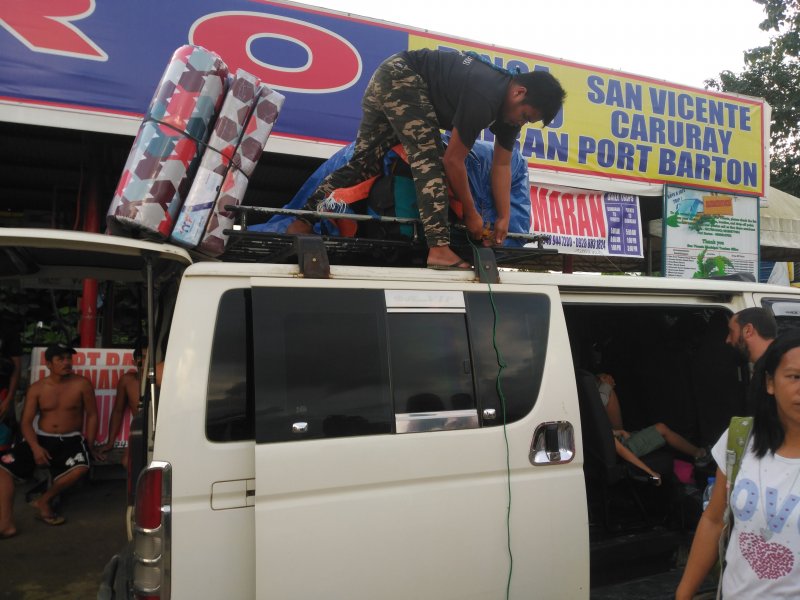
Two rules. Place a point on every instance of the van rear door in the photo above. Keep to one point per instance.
(48, 256)
(56, 259)
(383, 469)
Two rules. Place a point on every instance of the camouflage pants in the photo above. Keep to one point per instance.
(397, 108)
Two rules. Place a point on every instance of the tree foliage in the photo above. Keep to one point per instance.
(772, 72)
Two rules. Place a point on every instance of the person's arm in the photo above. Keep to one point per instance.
(629, 456)
(456, 171)
(705, 547)
(614, 410)
(159, 373)
(5, 405)
(115, 421)
(90, 408)
(7, 401)
(13, 382)
(40, 455)
(501, 191)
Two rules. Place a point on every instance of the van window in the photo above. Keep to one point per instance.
(521, 335)
(431, 372)
(229, 410)
(333, 363)
(320, 364)
(785, 311)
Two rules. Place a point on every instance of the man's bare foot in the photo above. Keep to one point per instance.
(8, 532)
(444, 257)
(43, 508)
(298, 226)
(45, 514)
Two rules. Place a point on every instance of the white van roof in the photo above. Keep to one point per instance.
(594, 283)
(59, 255)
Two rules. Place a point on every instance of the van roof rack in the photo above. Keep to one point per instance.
(246, 245)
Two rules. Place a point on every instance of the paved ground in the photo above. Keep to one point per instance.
(65, 562)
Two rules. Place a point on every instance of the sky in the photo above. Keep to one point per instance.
(680, 41)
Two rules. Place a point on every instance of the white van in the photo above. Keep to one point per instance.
(406, 433)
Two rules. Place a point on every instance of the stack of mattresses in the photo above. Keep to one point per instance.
(235, 146)
(166, 150)
(159, 195)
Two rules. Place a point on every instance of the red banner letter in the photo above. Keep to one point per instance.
(47, 26)
(333, 63)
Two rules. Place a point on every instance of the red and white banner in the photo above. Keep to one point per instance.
(103, 367)
(587, 222)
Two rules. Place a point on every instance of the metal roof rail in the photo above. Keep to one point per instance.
(245, 245)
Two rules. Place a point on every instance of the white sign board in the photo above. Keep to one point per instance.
(709, 234)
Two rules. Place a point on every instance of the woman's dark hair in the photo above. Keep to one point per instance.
(543, 91)
(768, 431)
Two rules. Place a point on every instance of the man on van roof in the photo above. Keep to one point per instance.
(60, 401)
(751, 331)
(414, 94)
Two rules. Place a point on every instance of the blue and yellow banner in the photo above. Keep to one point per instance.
(635, 128)
(107, 57)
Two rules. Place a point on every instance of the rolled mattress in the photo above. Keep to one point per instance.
(168, 146)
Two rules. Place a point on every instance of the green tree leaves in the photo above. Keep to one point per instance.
(772, 72)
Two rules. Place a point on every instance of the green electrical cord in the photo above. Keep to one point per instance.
(501, 364)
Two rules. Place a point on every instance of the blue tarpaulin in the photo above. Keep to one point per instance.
(478, 163)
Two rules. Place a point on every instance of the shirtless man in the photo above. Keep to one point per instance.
(128, 391)
(54, 440)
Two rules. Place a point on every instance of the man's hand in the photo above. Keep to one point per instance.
(621, 433)
(474, 224)
(498, 236)
(99, 452)
(40, 455)
(606, 378)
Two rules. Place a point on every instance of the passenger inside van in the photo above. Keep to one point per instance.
(648, 439)
(670, 365)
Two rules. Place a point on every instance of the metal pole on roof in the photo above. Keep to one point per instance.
(568, 263)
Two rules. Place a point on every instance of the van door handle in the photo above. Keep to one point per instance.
(553, 443)
(551, 446)
(300, 427)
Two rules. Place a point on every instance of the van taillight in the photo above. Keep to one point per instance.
(151, 532)
(148, 499)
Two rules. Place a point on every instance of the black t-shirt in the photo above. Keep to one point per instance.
(466, 93)
(10, 347)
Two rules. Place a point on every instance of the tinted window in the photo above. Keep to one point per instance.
(321, 361)
(430, 362)
(521, 337)
(786, 312)
(229, 412)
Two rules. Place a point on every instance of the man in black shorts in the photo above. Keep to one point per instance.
(60, 402)
(414, 94)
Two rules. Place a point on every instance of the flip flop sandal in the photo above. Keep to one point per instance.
(52, 519)
(7, 536)
(459, 265)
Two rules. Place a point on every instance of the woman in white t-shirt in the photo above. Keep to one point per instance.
(764, 549)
